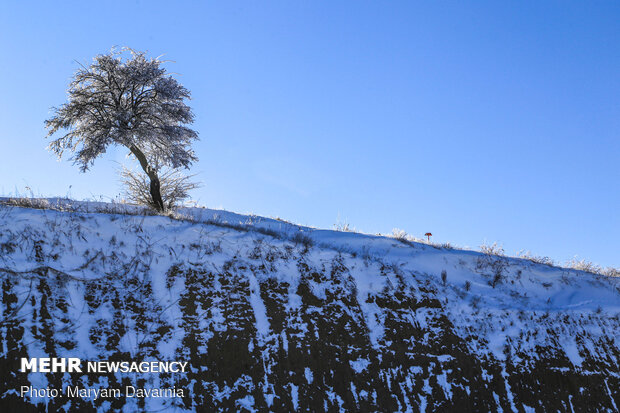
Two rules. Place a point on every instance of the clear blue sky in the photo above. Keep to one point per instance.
(477, 121)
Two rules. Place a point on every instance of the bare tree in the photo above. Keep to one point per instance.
(127, 99)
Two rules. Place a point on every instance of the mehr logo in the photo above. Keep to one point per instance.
(74, 365)
(51, 365)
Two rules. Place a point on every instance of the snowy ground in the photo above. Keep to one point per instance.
(510, 312)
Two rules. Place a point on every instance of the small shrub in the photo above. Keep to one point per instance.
(493, 249)
(583, 265)
(475, 302)
(400, 234)
(174, 187)
(494, 260)
(35, 203)
(344, 227)
(268, 232)
(303, 239)
(535, 258)
(497, 278)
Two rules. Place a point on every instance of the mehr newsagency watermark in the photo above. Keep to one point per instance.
(75, 365)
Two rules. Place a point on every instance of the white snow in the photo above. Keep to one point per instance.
(572, 351)
(359, 365)
(308, 374)
(85, 240)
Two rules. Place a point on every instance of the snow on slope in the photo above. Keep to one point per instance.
(210, 280)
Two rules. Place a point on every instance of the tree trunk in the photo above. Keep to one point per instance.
(155, 188)
(156, 192)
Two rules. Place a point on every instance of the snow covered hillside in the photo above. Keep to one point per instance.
(271, 316)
